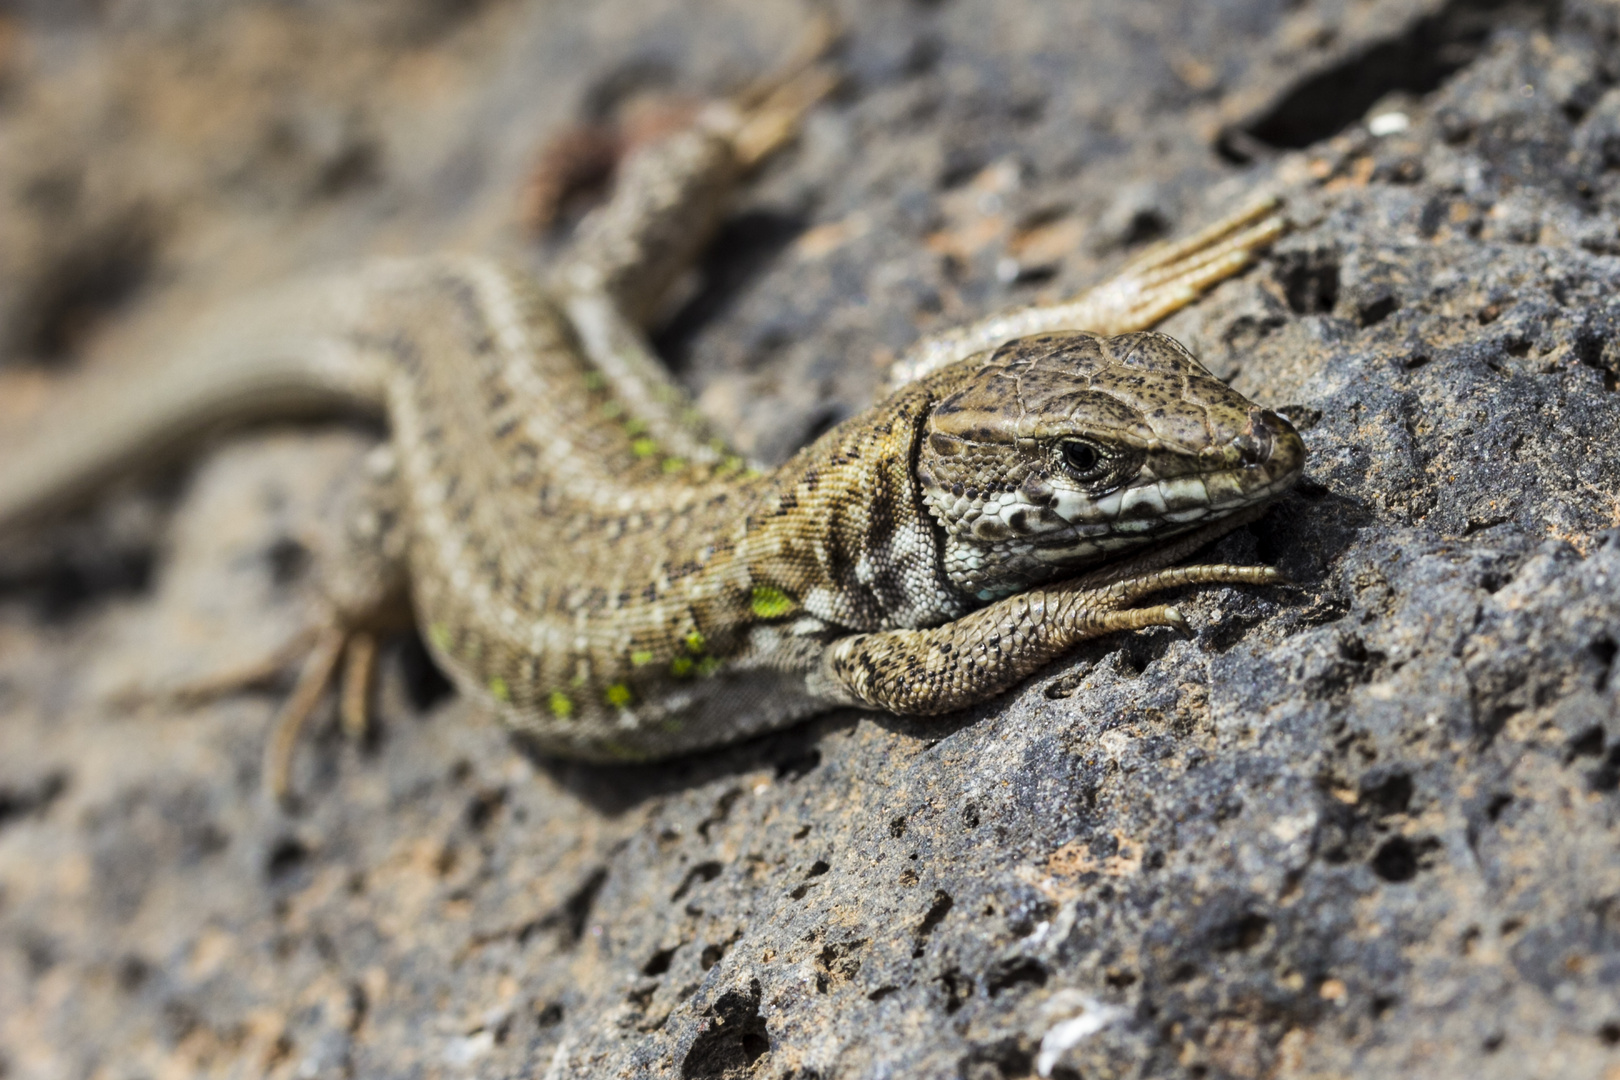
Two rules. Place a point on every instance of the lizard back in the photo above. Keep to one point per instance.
(603, 573)
(602, 592)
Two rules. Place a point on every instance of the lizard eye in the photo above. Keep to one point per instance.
(1082, 458)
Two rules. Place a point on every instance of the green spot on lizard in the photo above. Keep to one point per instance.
(770, 603)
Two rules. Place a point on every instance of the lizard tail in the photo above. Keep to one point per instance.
(294, 351)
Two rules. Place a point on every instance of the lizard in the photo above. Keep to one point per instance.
(589, 562)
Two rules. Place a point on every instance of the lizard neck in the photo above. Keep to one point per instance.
(841, 528)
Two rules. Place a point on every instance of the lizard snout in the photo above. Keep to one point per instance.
(1267, 433)
(1271, 444)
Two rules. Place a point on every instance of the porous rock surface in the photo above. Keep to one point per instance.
(1365, 825)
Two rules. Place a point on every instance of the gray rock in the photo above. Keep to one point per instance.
(1365, 825)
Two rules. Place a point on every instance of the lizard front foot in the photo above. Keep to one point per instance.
(974, 658)
(1161, 281)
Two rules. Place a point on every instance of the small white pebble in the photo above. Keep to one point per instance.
(1390, 123)
(460, 1053)
(1087, 1016)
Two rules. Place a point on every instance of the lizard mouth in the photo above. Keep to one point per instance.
(1038, 530)
(1177, 492)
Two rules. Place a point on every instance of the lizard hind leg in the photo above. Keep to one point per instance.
(338, 656)
(667, 203)
(671, 194)
(772, 110)
(313, 679)
(363, 579)
(359, 665)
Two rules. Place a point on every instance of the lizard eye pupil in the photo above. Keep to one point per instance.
(1082, 457)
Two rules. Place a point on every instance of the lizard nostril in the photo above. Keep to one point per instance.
(1255, 445)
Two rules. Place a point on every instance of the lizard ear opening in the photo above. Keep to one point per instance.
(945, 445)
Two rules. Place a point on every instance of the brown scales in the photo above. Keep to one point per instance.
(603, 573)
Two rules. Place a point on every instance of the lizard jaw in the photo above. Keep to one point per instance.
(1011, 541)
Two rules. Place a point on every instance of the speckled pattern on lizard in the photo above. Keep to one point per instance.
(590, 561)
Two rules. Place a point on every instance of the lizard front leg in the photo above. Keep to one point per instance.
(1161, 281)
(975, 657)
(971, 659)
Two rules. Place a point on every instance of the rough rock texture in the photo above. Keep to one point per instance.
(1365, 826)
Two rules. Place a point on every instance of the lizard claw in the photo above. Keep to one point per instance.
(313, 679)
(1174, 619)
(1274, 576)
(358, 652)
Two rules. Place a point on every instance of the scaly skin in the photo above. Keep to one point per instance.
(593, 565)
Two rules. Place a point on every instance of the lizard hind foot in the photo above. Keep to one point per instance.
(767, 115)
(357, 651)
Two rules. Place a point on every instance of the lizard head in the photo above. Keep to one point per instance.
(1067, 449)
